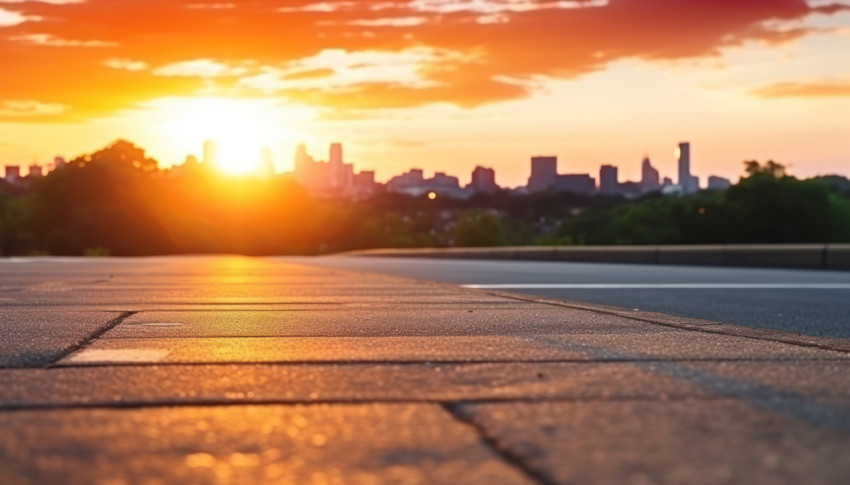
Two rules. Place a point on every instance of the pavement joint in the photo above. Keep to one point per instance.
(506, 454)
(612, 360)
(91, 338)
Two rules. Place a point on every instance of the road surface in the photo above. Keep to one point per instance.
(215, 370)
(810, 302)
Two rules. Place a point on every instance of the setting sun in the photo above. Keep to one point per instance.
(240, 129)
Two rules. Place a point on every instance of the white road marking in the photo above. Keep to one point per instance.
(117, 356)
(662, 286)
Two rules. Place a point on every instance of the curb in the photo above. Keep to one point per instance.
(800, 256)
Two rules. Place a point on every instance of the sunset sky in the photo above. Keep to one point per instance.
(435, 84)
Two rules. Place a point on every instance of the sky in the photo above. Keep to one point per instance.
(435, 84)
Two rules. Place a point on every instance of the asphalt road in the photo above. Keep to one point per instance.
(801, 301)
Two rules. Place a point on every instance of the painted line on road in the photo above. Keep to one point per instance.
(661, 286)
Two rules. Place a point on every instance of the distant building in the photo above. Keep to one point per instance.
(650, 178)
(629, 190)
(483, 180)
(266, 162)
(580, 183)
(718, 183)
(331, 177)
(440, 179)
(365, 179)
(210, 153)
(302, 159)
(688, 183)
(608, 180)
(364, 184)
(544, 172)
(336, 169)
(414, 183)
(190, 165)
(13, 172)
(35, 171)
(335, 154)
(544, 176)
(59, 162)
(414, 177)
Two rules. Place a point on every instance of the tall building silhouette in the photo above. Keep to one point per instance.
(334, 176)
(684, 156)
(13, 172)
(609, 180)
(336, 154)
(687, 182)
(341, 173)
(210, 153)
(650, 179)
(483, 180)
(544, 176)
(35, 171)
(302, 159)
(718, 183)
(544, 173)
(266, 162)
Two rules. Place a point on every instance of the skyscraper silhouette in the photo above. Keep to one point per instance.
(608, 180)
(650, 178)
(483, 180)
(687, 182)
(544, 173)
(266, 162)
(210, 153)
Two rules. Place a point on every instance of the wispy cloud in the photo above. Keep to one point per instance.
(205, 68)
(53, 41)
(812, 89)
(9, 18)
(126, 64)
(27, 108)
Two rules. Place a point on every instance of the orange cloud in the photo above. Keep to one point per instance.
(804, 90)
(97, 56)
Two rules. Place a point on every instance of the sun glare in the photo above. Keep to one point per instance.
(240, 129)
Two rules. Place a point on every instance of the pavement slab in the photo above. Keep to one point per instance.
(377, 321)
(496, 348)
(314, 349)
(232, 383)
(248, 444)
(37, 338)
(696, 442)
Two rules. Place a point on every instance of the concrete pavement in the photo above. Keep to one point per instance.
(238, 370)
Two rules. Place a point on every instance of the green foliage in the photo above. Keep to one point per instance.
(479, 228)
(766, 207)
(97, 252)
(118, 202)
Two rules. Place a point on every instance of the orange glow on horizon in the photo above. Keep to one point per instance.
(240, 128)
